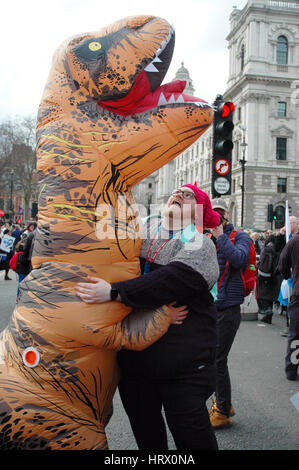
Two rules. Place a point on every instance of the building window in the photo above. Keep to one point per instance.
(281, 148)
(239, 113)
(281, 109)
(282, 50)
(281, 185)
(242, 57)
(149, 185)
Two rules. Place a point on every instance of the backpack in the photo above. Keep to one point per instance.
(13, 262)
(16, 261)
(268, 262)
(249, 275)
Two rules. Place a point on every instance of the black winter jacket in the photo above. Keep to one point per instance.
(289, 263)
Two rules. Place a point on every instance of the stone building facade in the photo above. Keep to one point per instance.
(263, 84)
(264, 66)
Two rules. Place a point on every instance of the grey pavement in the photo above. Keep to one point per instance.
(8, 294)
(265, 419)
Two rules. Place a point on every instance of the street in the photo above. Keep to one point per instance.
(266, 418)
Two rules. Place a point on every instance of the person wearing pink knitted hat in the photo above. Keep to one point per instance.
(190, 205)
(177, 373)
(211, 218)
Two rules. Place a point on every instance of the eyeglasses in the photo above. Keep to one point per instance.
(185, 194)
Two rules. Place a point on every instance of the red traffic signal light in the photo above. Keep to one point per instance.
(223, 126)
(225, 109)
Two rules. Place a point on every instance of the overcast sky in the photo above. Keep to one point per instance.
(31, 30)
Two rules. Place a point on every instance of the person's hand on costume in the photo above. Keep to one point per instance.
(95, 291)
(177, 314)
(216, 232)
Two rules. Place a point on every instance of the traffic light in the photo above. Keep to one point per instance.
(270, 213)
(222, 146)
(274, 215)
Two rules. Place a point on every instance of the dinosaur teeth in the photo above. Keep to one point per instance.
(180, 99)
(151, 68)
(162, 100)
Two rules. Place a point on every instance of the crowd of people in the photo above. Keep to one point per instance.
(16, 244)
(189, 363)
(269, 246)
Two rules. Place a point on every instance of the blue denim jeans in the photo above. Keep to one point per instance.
(20, 279)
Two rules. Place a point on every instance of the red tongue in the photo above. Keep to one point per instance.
(140, 98)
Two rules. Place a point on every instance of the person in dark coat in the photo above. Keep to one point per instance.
(23, 263)
(177, 372)
(281, 242)
(16, 233)
(269, 279)
(228, 303)
(289, 267)
(28, 246)
(258, 245)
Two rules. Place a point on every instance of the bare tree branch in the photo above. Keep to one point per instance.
(17, 153)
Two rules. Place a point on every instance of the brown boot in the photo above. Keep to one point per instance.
(231, 411)
(219, 420)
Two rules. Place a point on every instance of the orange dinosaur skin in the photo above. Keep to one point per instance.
(88, 157)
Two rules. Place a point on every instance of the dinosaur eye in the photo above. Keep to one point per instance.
(94, 46)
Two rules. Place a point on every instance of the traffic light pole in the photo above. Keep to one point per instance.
(243, 161)
(243, 191)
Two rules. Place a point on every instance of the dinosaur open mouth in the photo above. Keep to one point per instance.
(146, 93)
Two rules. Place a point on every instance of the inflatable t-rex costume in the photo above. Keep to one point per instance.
(104, 124)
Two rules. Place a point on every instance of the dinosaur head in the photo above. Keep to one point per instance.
(108, 62)
(105, 123)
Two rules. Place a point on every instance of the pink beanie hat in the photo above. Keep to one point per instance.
(211, 218)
